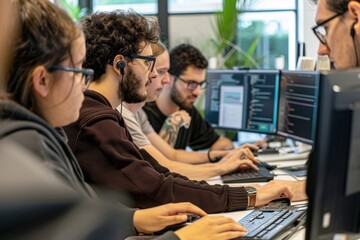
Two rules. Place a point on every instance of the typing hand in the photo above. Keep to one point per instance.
(155, 219)
(298, 188)
(212, 227)
(273, 190)
(237, 159)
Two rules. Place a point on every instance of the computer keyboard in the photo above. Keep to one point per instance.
(248, 175)
(282, 156)
(272, 223)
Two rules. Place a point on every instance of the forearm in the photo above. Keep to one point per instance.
(180, 155)
(197, 157)
(198, 172)
(194, 172)
(222, 144)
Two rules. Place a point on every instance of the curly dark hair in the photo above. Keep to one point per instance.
(183, 56)
(108, 34)
(338, 6)
(45, 37)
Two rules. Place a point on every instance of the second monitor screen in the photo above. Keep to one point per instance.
(298, 105)
(243, 100)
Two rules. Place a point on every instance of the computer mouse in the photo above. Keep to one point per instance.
(192, 218)
(266, 165)
(285, 201)
(278, 204)
(298, 168)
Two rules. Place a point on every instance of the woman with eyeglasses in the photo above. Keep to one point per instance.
(45, 92)
(46, 85)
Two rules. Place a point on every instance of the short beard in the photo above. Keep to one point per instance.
(176, 98)
(129, 88)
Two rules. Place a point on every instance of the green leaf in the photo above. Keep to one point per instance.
(225, 32)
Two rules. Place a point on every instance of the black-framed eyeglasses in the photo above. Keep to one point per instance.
(149, 60)
(87, 75)
(320, 31)
(192, 85)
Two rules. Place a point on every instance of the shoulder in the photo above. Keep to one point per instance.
(96, 107)
(152, 109)
(196, 115)
(33, 137)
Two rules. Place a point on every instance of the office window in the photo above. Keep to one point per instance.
(199, 6)
(147, 7)
(191, 6)
(273, 24)
(276, 35)
(273, 5)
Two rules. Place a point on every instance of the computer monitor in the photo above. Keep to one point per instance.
(333, 182)
(243, 100)
(216, 79)
(261, 109)
(298, 105)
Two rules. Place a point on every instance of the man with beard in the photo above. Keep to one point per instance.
(118, 49)
(194, 165)
(188, 73)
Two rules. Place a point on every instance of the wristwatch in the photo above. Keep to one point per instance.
(251, 191)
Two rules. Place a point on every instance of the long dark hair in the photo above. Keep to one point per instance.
(46, 36)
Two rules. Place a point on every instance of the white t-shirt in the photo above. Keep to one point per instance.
(138, 125)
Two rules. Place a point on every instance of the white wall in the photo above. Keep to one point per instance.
(307, 11)
(193, 29)
(197, 29)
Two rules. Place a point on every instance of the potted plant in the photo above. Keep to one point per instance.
(227, 52)
(73, 10)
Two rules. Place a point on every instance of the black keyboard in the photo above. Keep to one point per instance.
(248, 175)
(265, 151)
(272, 224)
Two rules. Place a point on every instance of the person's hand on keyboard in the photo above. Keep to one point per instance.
(250, 149)
(298, 188)
(157, 218)
(240, 158)
(271, 191)
(212, 227)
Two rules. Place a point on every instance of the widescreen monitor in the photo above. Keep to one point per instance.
(243, 100)
(298, 105)
(333, 182)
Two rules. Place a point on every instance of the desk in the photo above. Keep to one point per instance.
(279, 175)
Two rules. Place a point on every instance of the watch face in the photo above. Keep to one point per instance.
(250, 190)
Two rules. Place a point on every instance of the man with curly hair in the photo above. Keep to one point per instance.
(119, 51)
(338, 31)
(175, 106)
